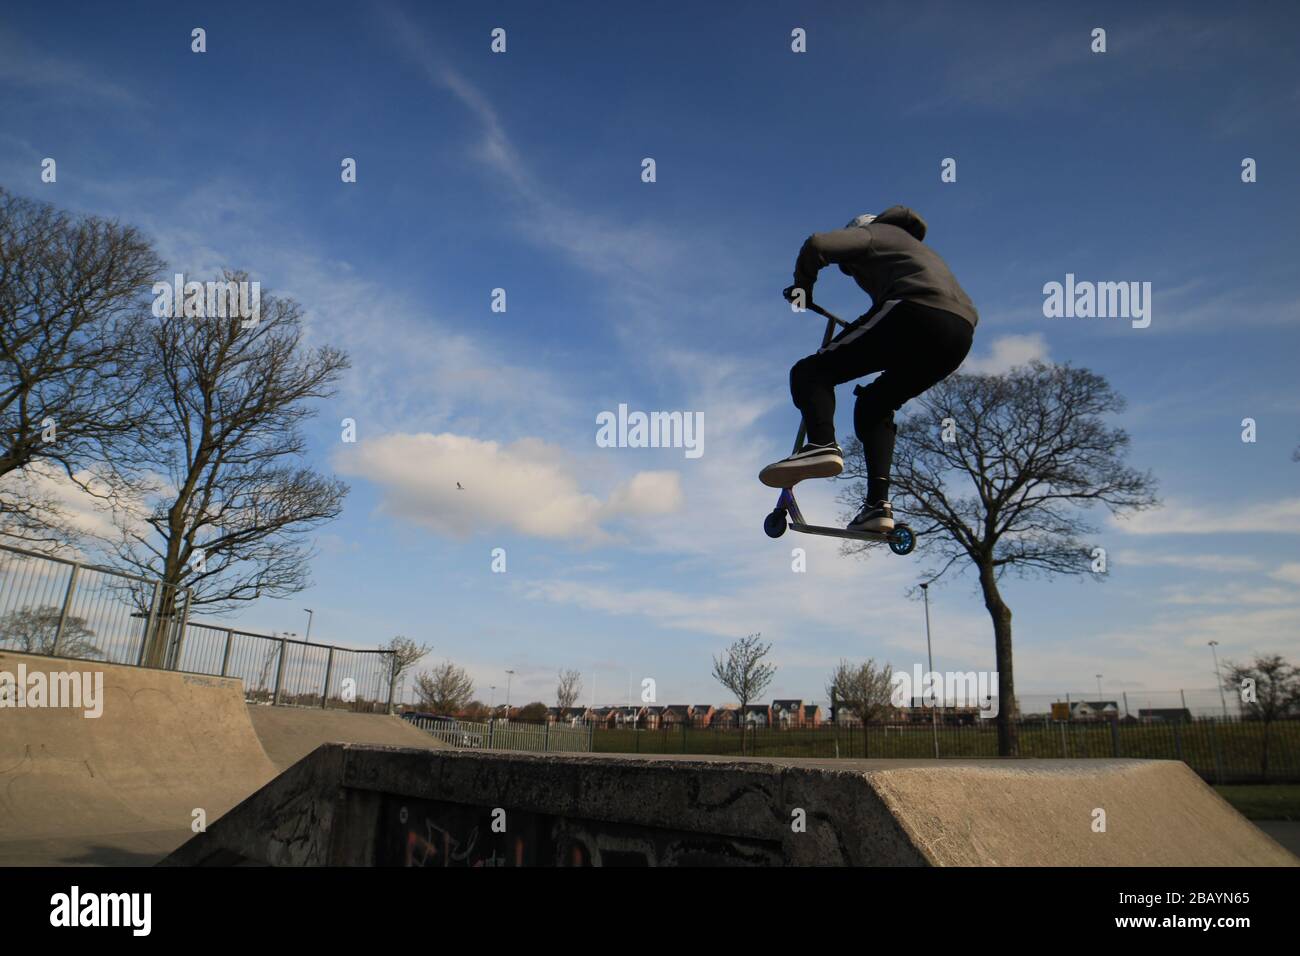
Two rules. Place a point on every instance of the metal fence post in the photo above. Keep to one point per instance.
(392, 680)
(492, 722)
(1063, 753)
(63, 613)
(546, 738)
(329, 672)
(149, 624)
(225, 657)
(178, 646)
(1218, 757)
(1114, 738)
(1178, 739)
(279, 671)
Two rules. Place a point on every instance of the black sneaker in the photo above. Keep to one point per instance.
(810, 461)
(878, 517)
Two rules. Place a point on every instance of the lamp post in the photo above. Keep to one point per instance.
(510, 676)
(1218, 678)
(1099, 688)
(929, 657)
(310, 612)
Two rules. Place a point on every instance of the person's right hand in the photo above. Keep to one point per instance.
(798, 296)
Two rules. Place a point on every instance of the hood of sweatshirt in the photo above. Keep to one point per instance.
(906, 219)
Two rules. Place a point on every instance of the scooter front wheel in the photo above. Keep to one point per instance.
(774, 524)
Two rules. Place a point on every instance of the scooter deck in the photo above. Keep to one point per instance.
(842, 532)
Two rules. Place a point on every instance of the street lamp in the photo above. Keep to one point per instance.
(510, 675)
(492, 700)
(310, 612)
(929, 657)
(1218, 679)
(1099, 688)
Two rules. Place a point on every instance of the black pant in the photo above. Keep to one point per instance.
(914, 347)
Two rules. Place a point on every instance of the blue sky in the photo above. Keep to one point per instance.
(522, 171)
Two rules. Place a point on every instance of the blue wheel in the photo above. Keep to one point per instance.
(774, 524)
(902, 540)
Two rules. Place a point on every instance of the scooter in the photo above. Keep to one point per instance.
(902, 540)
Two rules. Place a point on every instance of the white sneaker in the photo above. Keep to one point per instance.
(810, 461)
(878, 517)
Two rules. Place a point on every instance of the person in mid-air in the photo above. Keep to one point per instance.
(917, 333)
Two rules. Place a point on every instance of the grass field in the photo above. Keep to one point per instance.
(1268, 801)
(1221, 751)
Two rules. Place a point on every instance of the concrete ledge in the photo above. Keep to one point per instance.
(367, 806)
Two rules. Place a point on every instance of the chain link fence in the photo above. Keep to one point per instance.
(60, 608)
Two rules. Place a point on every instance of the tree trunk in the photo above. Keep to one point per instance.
(1008, 735)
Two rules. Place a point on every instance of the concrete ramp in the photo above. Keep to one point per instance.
(290, 733)
(372, 806)
(122, 787)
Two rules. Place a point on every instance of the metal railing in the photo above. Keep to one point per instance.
(504, 735)
(61, 608)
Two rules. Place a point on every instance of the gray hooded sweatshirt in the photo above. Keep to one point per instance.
(889, 261)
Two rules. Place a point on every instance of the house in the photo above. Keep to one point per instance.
(701, 715)
(1171, 715)
(651, 717)
(725, 718)
(675, 715)
(625, 718)
(812, 715)
(602, 717)
(758, 715)
(1094, 710)
(787, 714)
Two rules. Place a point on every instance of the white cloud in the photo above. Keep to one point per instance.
(526, 486)
(1289, 572)
(1006, 352)
(1274, 517)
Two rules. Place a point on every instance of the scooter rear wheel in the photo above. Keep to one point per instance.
(774, 524)
(902, 540)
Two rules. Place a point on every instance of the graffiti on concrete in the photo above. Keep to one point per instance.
(434, 833)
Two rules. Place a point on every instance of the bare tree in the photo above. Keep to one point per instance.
(232, 520)
(75, 382)
(36, 631)
(569, 689)
(995, 470)
(404, 654)
(1269, 689)
(742, 671)
(864, 689)
(444, 690)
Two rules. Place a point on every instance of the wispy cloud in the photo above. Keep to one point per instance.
(24, 66)
(1270, 517)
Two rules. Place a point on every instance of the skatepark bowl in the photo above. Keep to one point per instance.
(126, 787)
(177, 768)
